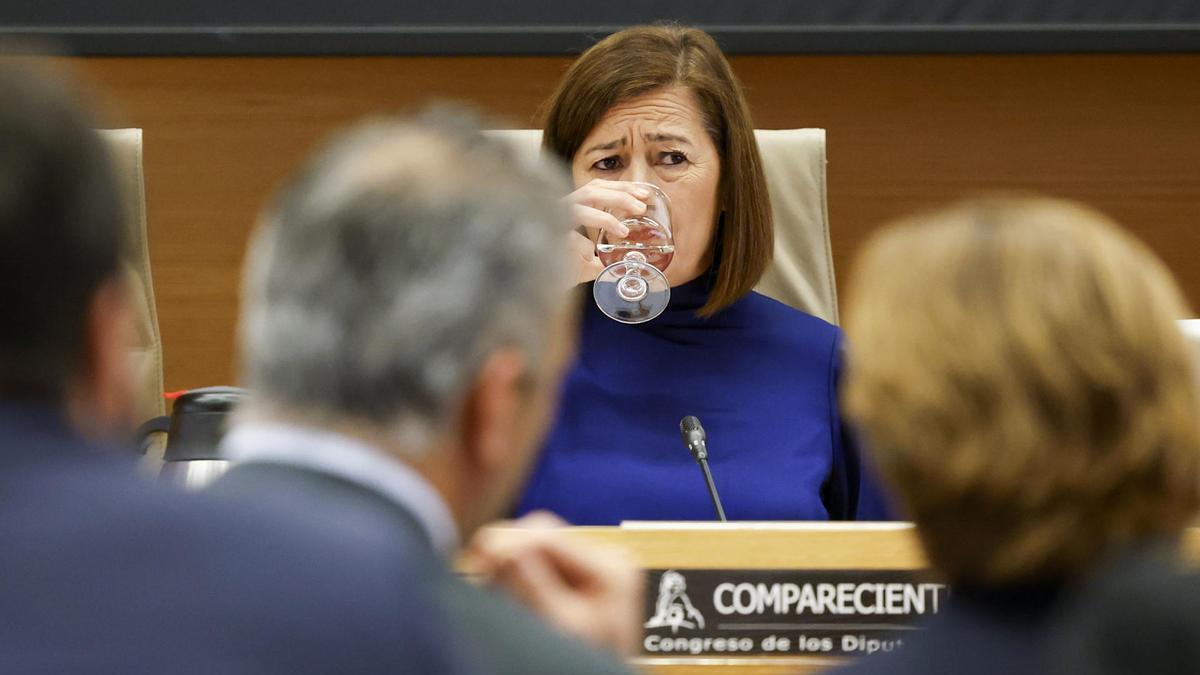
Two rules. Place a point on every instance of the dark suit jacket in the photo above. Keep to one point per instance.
(102, 571)
(1001, 632)
(1139, 614)
(501, 635)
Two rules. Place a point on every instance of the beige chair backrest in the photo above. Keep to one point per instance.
(126, 148)
(801, 274)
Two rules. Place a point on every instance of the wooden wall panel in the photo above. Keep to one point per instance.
(1120, 132)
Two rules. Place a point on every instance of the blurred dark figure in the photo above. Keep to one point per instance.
(1141, 616)
(99, 571)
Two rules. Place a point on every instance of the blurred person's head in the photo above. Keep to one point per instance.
(402, 288)
(68, 321)
(1021, 383)
(660, 104)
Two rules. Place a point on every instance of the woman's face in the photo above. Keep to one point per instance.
(659, 138)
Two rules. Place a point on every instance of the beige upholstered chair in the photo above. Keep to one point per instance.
(794, 161)
(146, 358)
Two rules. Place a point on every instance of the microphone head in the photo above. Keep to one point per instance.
(693, 437)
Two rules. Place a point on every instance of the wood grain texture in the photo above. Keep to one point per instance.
(659, 545)
(1116, 131)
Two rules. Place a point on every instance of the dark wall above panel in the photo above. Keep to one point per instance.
(296, 27)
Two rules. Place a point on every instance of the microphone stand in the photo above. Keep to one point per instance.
(693, 438)
(712, 490)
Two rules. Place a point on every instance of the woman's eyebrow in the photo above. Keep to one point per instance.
(665, 138)
(606, 146)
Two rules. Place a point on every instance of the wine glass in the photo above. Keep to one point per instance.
(632, 288)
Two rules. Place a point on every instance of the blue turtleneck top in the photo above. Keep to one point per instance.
(761, 376)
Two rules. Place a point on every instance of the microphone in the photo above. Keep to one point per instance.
(694, 438)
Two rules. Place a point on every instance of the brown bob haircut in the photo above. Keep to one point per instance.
(644, 58)
(1021, 382)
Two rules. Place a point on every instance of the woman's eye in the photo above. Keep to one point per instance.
(673, 158)
(607, 164)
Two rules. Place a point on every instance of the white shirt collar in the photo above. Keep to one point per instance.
(350, 459)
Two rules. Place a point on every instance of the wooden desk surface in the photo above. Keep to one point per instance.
(657, 545)
(765, 545)
(758, 546)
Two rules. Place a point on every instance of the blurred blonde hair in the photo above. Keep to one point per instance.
(1020, 380)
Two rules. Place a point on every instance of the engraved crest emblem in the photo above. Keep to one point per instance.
(674, 609)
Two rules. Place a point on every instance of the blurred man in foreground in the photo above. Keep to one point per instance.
(404, 333)
(100, 572)
(1021, 382)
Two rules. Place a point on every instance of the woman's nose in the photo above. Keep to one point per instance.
(637, 172)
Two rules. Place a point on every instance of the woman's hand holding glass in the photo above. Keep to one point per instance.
(599, 207)
(632, 246)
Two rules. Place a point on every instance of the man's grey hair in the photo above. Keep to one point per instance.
(407, 252)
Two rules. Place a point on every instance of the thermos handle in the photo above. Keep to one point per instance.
(154, 425)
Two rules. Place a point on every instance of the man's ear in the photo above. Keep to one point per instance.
(104, 391)
(491, 409)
